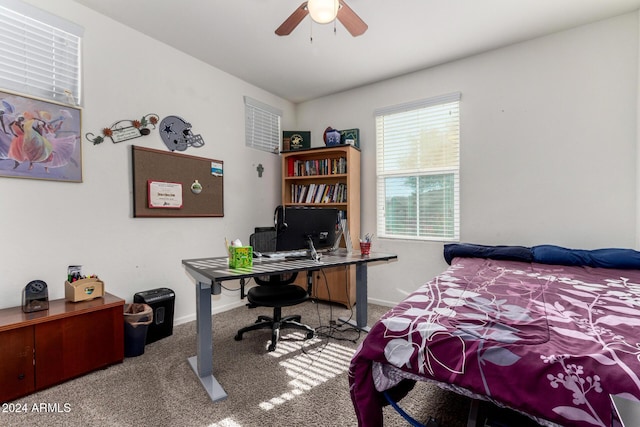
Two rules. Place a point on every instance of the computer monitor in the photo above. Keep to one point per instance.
(296, 224)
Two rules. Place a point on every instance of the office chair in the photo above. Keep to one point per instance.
(275, 291)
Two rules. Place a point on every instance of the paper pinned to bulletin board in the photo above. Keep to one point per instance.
(168, 184)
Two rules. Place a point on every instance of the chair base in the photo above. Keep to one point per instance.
(275, 324)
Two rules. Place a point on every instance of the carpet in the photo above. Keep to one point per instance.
(302, 383)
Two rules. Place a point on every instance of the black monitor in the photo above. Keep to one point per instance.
(296, 224)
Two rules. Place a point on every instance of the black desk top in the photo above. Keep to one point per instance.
(217, 268)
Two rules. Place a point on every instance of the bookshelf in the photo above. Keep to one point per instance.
(327, 177)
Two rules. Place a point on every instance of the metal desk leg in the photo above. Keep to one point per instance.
(361, 299)
(202, 362)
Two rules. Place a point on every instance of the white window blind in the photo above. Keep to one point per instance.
(262, 126)
(39, 53)
(418, 169)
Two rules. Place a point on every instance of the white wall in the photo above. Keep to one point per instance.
(549, 131)
(48, 225)
(548, 145)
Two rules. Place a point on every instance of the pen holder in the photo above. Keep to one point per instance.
(365, 248)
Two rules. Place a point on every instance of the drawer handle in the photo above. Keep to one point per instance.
(20, 376)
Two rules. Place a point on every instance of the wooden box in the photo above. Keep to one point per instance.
(296, 140)
(83, 289)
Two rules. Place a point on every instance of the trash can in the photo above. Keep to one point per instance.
(137, 318)
(162, 301)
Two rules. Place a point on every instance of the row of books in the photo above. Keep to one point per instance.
(319, 193)
(330, 166)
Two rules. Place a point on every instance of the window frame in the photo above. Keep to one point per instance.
(414, 228)
(40, 53)
(263, 126)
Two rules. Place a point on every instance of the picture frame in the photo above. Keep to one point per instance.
(39, 139)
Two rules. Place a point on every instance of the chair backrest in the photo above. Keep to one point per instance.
(265, 241)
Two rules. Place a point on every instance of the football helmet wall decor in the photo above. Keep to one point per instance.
(176, 134)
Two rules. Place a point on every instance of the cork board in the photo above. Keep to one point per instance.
(153, 168)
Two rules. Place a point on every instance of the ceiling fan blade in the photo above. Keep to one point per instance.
(351, 20)
(293, 20)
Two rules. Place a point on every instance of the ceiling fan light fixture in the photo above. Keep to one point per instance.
(323, 11)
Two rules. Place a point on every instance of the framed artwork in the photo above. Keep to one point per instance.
(39, 139)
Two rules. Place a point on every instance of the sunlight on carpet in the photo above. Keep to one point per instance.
(225, 423)
(309, 369)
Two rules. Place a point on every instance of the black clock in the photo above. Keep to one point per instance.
(35, 296)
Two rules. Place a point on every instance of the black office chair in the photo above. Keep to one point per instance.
(275, 291)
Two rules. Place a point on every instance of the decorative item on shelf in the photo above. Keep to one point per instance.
(350, 137)
(124, 130)
(176, 134)
(295, 140)
(331, 137)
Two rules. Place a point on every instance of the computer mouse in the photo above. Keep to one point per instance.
(257, 254)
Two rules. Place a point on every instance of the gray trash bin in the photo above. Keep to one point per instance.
(137, 318)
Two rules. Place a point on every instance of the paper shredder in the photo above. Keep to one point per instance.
(162, 301)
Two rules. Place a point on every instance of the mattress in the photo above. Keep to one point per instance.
(550, 341)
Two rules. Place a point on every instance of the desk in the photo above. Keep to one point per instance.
(209, 273)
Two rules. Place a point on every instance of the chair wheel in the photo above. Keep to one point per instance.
(310, 335)
(272, 347)
(238, 337)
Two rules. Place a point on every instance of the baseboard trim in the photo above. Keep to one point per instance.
(381, 302)
(222, 308)
(215, 310)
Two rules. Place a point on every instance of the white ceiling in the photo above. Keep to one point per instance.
(237, 36)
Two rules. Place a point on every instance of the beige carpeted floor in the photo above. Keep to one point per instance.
(300, 384)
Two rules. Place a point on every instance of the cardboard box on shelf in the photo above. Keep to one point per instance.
(83, 289)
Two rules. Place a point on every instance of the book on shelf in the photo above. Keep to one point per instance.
(316, 167)
(319, 193)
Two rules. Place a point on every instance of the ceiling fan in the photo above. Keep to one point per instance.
(335, 9)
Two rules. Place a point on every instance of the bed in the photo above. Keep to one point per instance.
(547, 331)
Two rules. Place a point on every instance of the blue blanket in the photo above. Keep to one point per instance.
(506, 253)
(604, 258)
(547, 254)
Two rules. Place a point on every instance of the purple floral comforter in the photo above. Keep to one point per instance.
(547, 340)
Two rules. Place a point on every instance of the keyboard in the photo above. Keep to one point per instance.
(286, 254)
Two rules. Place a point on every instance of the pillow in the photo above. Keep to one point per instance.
(603, 258)
(468, 250)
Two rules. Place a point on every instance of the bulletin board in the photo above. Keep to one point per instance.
(159, 175)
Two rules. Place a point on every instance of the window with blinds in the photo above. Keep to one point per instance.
(262, 126)
(39, 53)
(418, 169)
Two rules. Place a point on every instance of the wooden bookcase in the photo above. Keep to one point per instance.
(44, 348)
(337, 171)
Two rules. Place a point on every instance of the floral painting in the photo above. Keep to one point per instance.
(39, 139)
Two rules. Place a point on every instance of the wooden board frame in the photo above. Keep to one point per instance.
(156, 165)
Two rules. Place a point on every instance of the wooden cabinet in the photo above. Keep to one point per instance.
(336, 170)
(44, 348)
(16, 363)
